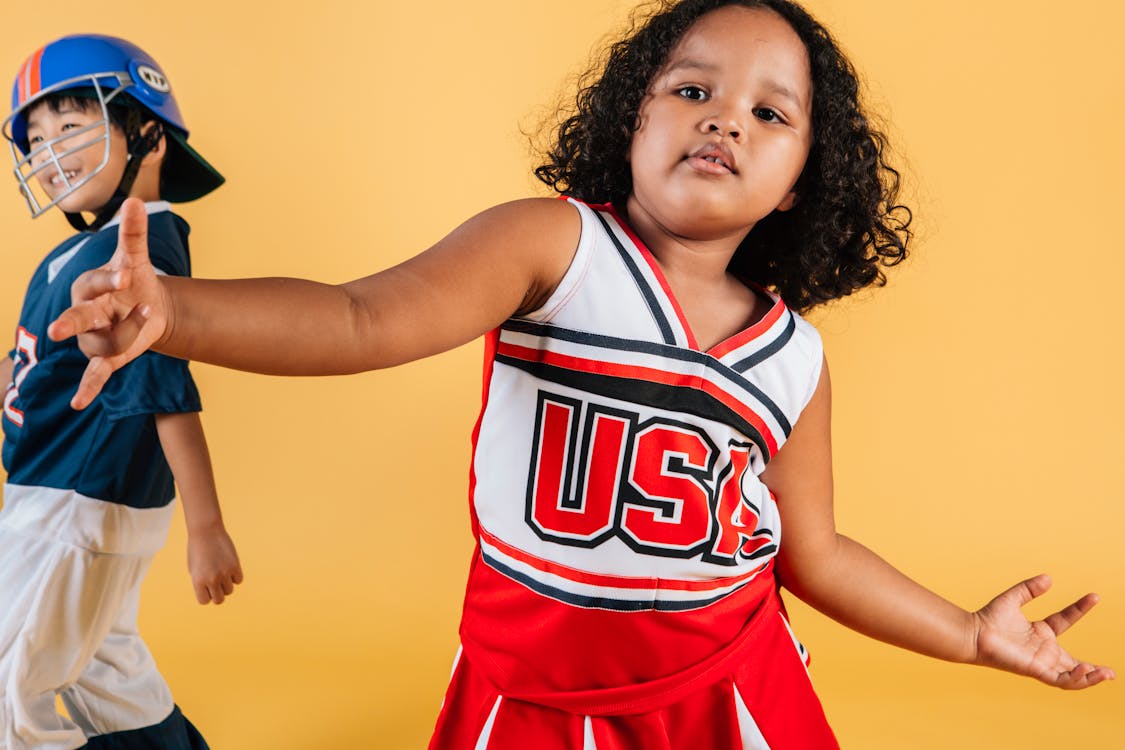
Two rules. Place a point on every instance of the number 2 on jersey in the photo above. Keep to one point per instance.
(25, 360)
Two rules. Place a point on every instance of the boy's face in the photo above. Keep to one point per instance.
(87, 169)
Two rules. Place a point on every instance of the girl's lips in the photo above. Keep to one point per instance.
(714, 158)
(708, 166)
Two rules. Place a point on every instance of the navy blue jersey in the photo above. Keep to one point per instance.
(109, 451)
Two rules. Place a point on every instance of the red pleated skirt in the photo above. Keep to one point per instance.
(754, 695)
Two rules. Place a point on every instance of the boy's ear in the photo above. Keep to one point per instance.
(159, 151)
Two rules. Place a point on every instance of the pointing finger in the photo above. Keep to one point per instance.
(132, 234)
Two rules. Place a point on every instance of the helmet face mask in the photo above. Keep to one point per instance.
(105, 70)
(30, 163)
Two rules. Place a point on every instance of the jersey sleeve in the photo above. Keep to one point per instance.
(151, 384)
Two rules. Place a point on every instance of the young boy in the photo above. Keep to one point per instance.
(88, 499)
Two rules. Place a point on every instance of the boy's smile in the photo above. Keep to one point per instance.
(725, 128)
(61, 132)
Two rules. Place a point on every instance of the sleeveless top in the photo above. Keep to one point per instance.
(623, 532)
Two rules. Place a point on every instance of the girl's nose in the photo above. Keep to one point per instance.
(724, 124)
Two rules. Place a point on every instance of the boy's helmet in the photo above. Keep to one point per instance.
(108, 70)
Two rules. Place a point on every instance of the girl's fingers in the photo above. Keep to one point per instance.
(1084, 676)
(99, 369)
(85, 314)
(132, 234)
(132, 251)
(1026, 590)
(1064, 618)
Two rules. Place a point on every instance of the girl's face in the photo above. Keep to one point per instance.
(725, 128)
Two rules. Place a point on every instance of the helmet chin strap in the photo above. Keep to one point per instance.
(139, 145)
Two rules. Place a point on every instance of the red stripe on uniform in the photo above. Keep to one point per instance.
(724, 348)
(620, 582)
(649, 374)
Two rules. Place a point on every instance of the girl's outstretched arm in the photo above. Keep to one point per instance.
(850, 583)
(505, 260)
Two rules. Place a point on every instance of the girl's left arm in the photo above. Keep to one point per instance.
(851, 584)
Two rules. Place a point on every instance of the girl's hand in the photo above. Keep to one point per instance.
(213, 564)
(1005, 639)
(117, 311)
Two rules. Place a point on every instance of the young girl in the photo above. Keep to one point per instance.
(656, 412)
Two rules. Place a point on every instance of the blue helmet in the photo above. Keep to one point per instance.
(110, 70)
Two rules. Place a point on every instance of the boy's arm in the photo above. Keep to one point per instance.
(212, 559)
(851, 584)
(7, 364)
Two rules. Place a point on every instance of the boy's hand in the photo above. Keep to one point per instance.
(213, 564)
(117, 311)
(1007, 640)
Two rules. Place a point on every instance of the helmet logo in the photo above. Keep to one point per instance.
(154, 78)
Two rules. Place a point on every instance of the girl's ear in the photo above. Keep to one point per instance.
(788, 201)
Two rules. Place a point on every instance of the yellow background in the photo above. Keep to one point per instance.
(978, 407)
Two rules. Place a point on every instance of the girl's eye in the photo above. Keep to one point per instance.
(35, 139)
(695, 93)
(767, 115)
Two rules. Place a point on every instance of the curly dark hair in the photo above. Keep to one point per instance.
(846, 225)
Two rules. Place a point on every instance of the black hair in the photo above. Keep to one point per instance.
(846, 225)
(125, 115)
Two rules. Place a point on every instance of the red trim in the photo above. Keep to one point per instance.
(649, 374)
(621, 582)
(723, 348)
